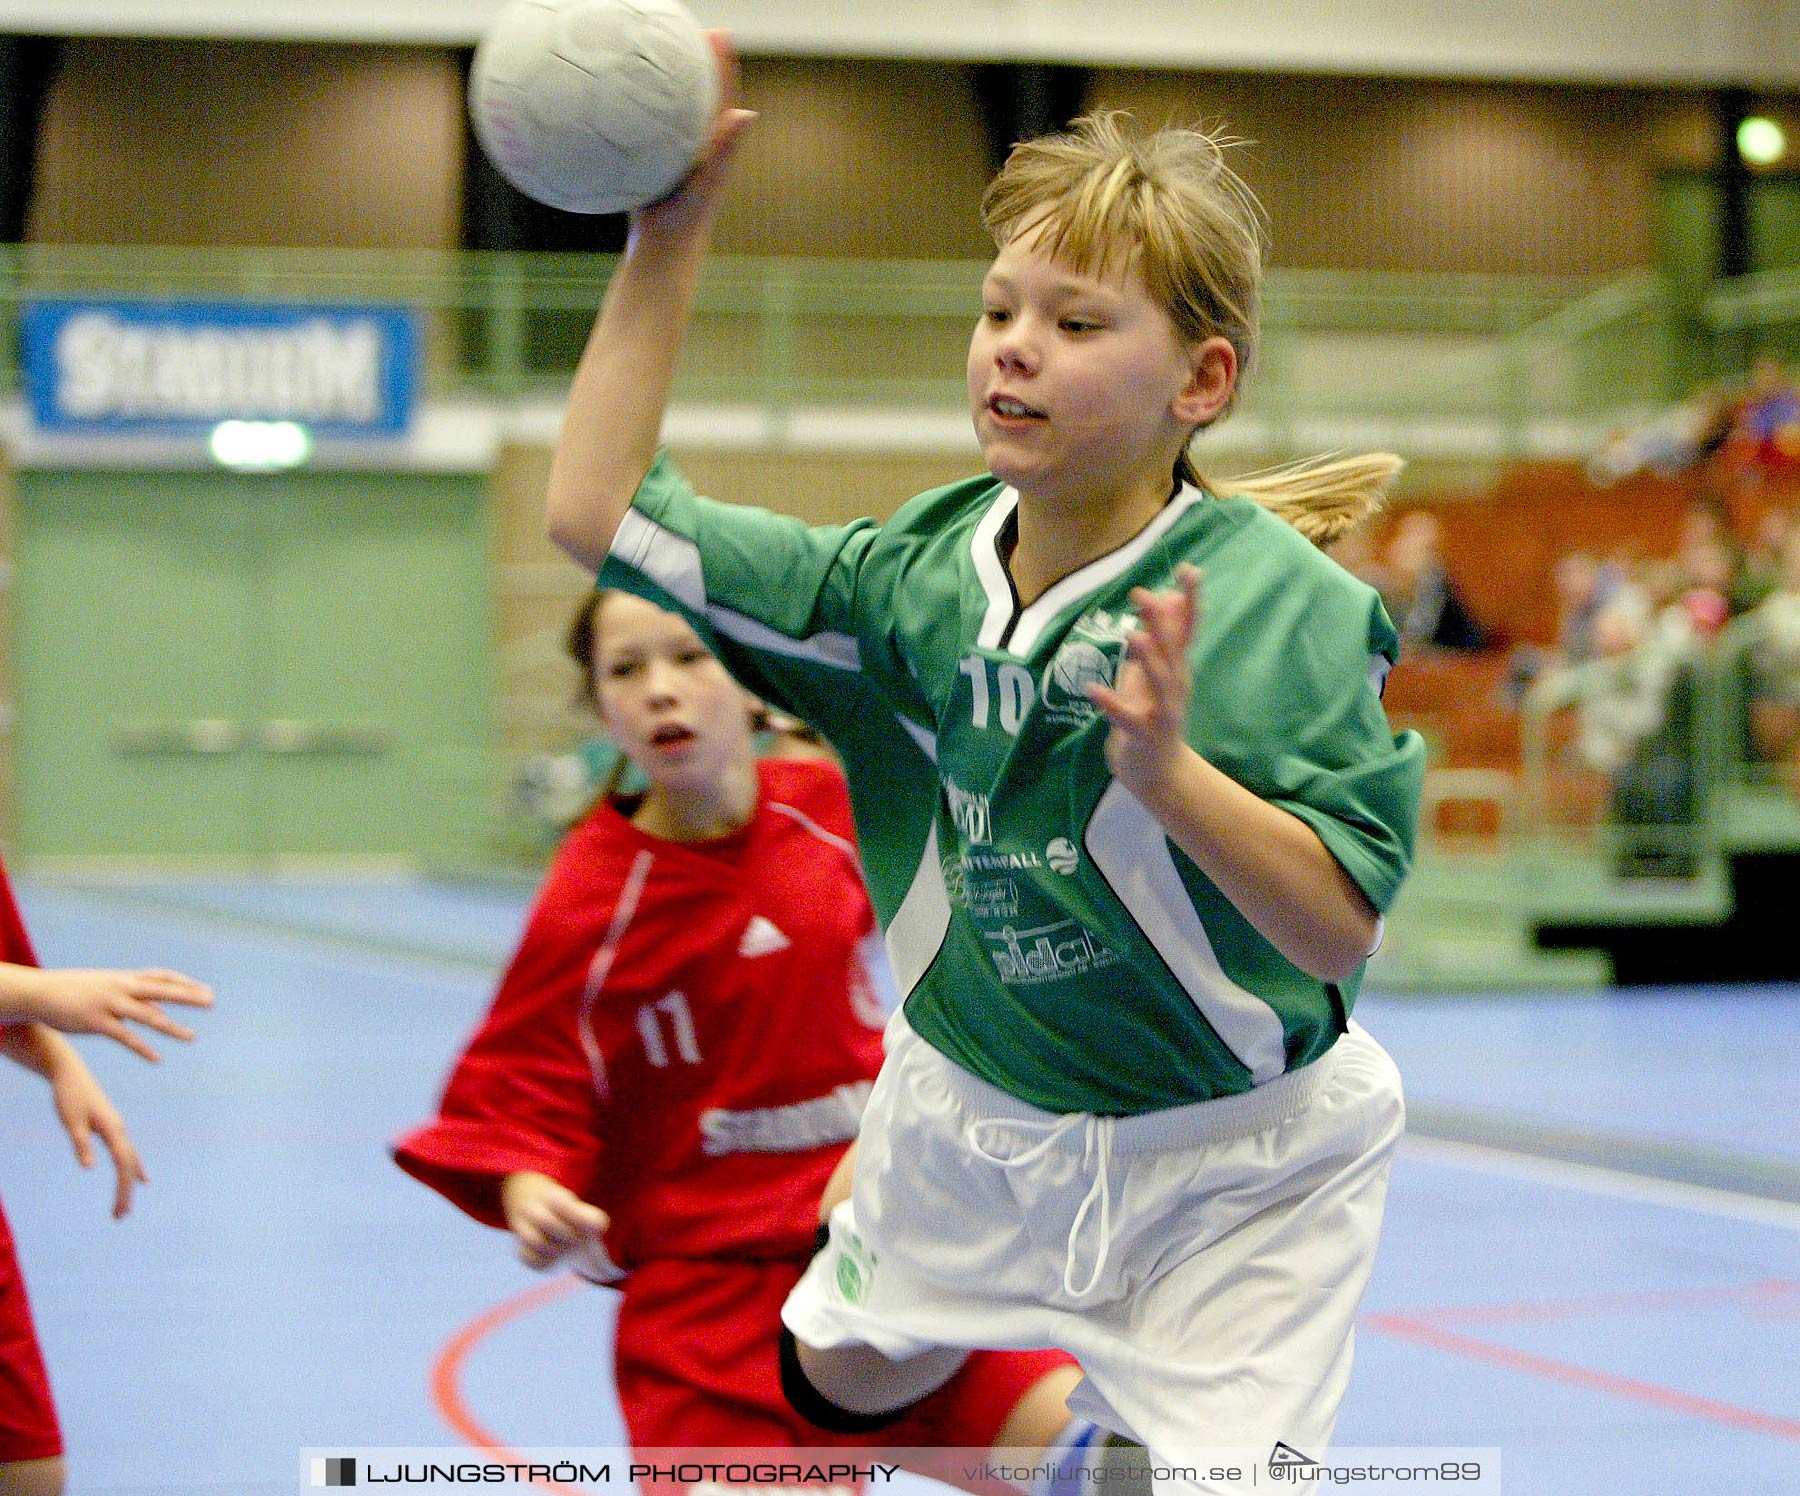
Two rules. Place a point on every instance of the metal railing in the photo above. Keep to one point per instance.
(1517, 356)
(1727, 794)
(1504, 354)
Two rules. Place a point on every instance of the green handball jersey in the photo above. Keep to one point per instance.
(1045, 933)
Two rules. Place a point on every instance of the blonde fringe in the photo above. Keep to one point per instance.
(1324, 498)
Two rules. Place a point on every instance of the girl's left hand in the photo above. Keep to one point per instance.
(88, 1113)
(1147, 704)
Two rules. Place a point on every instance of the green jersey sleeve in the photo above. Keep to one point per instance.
(1288, 702)
(774, 598)
(801, 615)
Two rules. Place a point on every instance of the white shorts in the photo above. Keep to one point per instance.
(1203, 1263)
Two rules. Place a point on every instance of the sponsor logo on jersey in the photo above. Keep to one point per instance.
(955, 880)
(855, 1268)
(832, 1118)
(1048, 953)
(989, 862)
(1062, 856)
(1088, 656)
(971, 812)
(993, 898)
(761, 938)
(986, 898)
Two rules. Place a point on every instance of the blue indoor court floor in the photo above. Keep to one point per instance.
(1591, 1259)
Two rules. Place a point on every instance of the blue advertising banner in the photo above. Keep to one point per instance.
(176, 368)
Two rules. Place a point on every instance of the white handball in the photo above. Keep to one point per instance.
(593, 106)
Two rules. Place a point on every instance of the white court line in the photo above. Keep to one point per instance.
(1597, 1179)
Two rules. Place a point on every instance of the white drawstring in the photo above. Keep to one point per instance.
(1097, 1138)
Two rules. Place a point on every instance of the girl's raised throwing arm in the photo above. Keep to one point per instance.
(613, 419)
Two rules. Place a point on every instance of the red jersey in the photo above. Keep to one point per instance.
(15, 942)
(28, 1427)
(685, 1036)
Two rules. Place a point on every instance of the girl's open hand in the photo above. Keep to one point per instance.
(86, 1113)
(548, 1219)
(1147, 704)
(105, 1002)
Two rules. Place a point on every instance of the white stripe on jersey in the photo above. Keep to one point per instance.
(1131, 851)
(1096, 574)
(836, 650)
(673, 563)
(1033, 620)
(984, 550)
(668, 559)
(916, 933)
(809, 824)
(927, 741)
(874, 954)
(601, 965)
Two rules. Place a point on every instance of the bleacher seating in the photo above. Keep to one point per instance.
(1501, 546)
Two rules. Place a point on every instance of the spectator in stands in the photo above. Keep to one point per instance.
(1766, 435)
(1635, 699)
(1760, 573)
(1356, 552)
(1420, 597)
(1677, 441)
(1703, 580)
(1619, 690)
(1584, 586)
(1752, 426)
(1775, 666)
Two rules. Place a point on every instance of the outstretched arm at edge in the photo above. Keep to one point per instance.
(613, 419)
(85, 1110)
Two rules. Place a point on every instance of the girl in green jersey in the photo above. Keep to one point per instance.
(1130, 848)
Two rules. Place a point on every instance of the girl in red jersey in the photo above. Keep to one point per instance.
(34, 1005)
(677, 1058)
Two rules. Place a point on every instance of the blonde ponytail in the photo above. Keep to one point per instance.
(1324, 498)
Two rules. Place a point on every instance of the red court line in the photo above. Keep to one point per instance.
(1774, 1290)
(446, 1369)
(1421, 1332)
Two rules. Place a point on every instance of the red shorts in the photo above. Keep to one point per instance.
(28, 1429)
(697, 1367)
